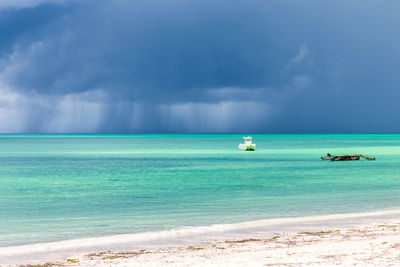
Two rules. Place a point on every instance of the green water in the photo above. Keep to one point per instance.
(57, 187)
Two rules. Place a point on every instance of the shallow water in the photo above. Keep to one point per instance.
(57, 187)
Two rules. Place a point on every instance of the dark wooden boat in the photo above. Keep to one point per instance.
(345, 157)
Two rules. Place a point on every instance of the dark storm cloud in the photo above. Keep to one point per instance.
(25, 24)
(194, 66)
(142, 48)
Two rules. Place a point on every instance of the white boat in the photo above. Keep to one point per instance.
(248, 144)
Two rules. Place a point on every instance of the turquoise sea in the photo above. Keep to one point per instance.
(58, 187)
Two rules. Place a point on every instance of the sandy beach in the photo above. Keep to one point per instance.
(365, 246)
(365, 239)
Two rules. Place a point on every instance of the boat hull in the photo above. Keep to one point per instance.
(247, 147)
(346, 157)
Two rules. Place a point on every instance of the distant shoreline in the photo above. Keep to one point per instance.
(191, 236)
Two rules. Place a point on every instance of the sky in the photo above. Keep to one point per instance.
(199, 66)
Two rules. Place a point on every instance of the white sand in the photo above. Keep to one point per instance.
(367, 246)
(368, 239)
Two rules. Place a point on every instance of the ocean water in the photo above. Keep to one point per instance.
(59, 187)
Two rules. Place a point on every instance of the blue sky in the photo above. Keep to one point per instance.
(199, 66)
